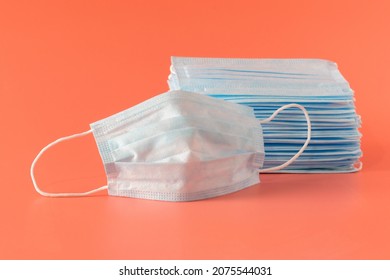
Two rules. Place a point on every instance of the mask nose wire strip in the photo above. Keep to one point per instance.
(291, 160)
(62, 139)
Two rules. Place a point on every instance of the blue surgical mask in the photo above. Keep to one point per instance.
(187, 72)
(180, 146)
(267, 84)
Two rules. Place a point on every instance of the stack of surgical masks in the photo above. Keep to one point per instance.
(266, 85)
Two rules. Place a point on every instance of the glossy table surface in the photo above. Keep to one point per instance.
(66, 64)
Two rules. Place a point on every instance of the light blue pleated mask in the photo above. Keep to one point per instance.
(267, 84)
(180, 146)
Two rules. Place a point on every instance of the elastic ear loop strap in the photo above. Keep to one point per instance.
(291, 160)
(62, 139)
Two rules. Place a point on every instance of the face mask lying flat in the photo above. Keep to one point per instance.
(179, 146)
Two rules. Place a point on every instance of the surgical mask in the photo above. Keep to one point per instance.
(265, 73)
(267, 84)
(180, 146)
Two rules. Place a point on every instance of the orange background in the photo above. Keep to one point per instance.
(65, 64)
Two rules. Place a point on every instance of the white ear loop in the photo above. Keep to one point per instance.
(77, 135)
(291, 160)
